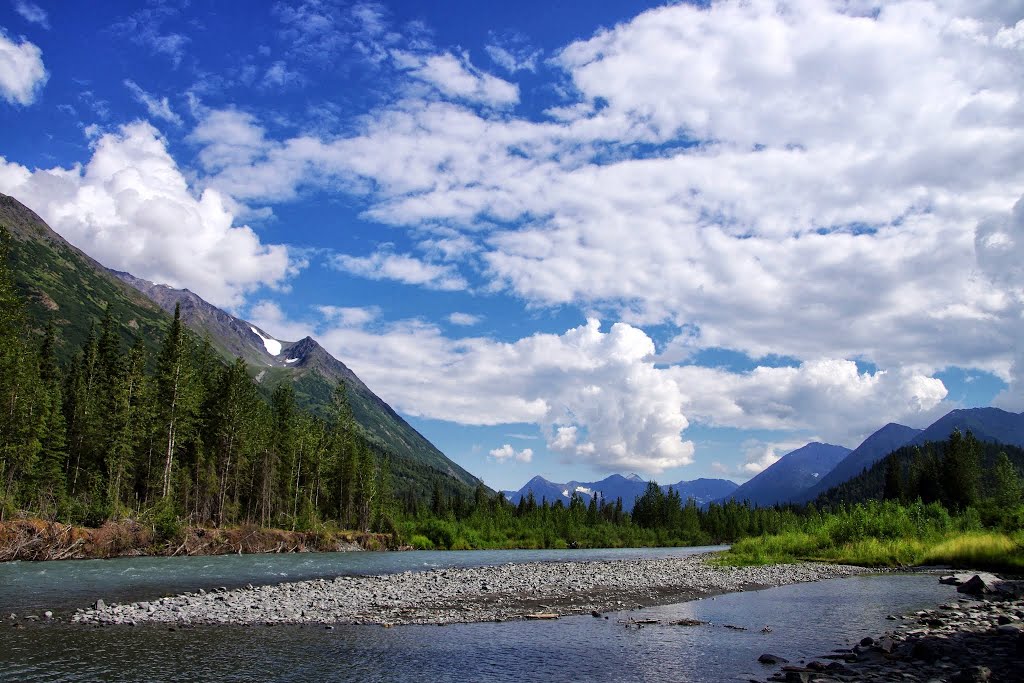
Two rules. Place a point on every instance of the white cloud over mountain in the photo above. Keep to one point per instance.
(132, 208)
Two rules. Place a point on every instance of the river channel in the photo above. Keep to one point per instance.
(803, 620)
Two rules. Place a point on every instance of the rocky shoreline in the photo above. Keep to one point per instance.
(971, 639)
(463, 595)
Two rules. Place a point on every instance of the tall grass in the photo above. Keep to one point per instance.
(970, 549)
(987, 550)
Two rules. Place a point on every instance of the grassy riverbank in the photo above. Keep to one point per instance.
(997, 551)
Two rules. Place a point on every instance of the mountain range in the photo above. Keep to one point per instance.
(791, 474)
(874, 448)
(801, 475)
(64, 286)
(610, 488)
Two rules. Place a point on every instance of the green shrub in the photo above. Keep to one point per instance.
(421, 542)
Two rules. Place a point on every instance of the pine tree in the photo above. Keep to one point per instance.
(961, 471)
(126, 421)
(342, 439)
(1006, 484)
(177, 397)
(893, 489)
(279, 469)
(49, 482)
(232, 416)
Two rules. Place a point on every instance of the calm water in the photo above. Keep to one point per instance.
(806, 620)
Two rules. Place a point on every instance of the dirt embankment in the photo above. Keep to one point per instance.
(35, 539)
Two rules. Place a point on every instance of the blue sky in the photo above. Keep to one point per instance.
(565, 238)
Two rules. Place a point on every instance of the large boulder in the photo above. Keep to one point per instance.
(980, 584)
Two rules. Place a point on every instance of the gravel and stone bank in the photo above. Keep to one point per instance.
(463, 595)
(968, 640)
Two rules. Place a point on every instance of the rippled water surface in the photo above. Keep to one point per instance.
(805, 620)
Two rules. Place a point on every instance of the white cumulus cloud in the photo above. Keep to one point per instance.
(455, 76)
(506, 452)
(131, 208)
(22, 74)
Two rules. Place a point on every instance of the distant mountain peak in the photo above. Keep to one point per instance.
(791, 474)
(633, 476)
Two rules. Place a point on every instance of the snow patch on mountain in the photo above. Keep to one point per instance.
(272, 345)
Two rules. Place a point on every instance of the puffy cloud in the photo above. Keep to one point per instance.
(131, 208)
(22, 74)
(999, 246)
(157, 108)
(402, 268)
(457, 77)
(228, 137)
(596, 395)
(831, 397)
(506, 453)
(32, 13)
(803, 179)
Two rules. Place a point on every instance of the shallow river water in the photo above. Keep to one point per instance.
(805, 620)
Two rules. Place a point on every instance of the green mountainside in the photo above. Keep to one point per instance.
(65, 286)
(311, 370)
(928, 471)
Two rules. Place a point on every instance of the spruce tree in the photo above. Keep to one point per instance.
(1006, 484)
(177, 396)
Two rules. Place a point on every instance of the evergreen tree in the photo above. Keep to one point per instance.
(341, 442)
(177, 396)
(1006, 484)
(894, 489)
(961, 471)
(49, 485)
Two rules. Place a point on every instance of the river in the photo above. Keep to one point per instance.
(805, 620)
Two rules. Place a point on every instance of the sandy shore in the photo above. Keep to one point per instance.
(471, 594)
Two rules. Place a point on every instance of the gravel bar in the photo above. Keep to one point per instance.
(463, 595)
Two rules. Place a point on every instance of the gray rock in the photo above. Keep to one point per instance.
(772, 659)
(99, 604)
(979, 584)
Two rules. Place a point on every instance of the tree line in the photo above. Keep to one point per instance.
(181, 437)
